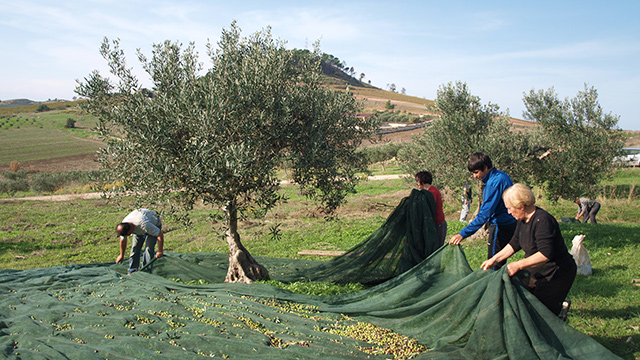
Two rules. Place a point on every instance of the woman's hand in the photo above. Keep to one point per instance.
(513, 268)
(487, 264)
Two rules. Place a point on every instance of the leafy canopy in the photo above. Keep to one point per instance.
(463, 126)
(219, 136)
(568, 154)
(580, 139)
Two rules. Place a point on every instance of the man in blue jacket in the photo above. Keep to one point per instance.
(492, 211)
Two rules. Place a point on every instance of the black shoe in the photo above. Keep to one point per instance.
(566, 304)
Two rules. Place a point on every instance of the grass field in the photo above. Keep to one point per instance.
(605, 305)
(37, 136)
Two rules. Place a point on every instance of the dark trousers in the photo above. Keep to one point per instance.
(590, 214)
(499, 237)
(553, 292)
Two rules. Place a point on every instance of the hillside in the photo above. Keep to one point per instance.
(16, 102)
(16, 112)
(375, 99)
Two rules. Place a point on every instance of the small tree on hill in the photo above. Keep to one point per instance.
(576, 142)
(218, 137)
(42, 108)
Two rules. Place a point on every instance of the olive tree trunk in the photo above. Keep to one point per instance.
(243, 267)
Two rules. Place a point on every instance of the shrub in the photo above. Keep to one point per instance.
(396, 117)
(375, 154)
(42, 108)
(47, 182)
(13, 182)
(15, 175)
(71, 123)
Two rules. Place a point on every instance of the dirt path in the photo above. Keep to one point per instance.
(71, 197)
(62, 197)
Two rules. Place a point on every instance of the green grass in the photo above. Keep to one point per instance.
(33, 136)
(625, 176)
(29, 144)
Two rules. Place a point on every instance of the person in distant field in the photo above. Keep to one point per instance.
(146, 227)
(423, 180)
(492, 210)
(587, 209)
(467, 199)
(549, 263)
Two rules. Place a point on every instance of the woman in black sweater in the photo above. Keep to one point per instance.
(547, 259)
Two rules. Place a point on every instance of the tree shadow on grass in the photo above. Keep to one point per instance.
(620, 346)
(600, 282)
(602, 235)
(625, 313)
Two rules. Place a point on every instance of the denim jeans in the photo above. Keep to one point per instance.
(136, 251)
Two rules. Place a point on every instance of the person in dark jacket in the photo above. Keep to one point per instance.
(549, 263)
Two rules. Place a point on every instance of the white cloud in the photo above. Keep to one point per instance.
(500, 51)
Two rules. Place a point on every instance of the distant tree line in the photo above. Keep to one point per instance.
(395, 117)
(331, 65)
(15, 181)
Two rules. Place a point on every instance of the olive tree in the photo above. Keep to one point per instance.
(217, 136)
(576, 142)
(464, 126)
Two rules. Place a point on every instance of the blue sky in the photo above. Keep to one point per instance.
(501, 49)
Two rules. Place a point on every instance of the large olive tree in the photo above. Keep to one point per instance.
(218, 136)
(576, 141)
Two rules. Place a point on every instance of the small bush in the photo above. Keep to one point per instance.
(71, 123)
(15, 175)
(42, 108)
(375, 154)
(13, 182)
(47, 182)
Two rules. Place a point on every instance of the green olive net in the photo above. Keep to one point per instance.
(437, 309)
